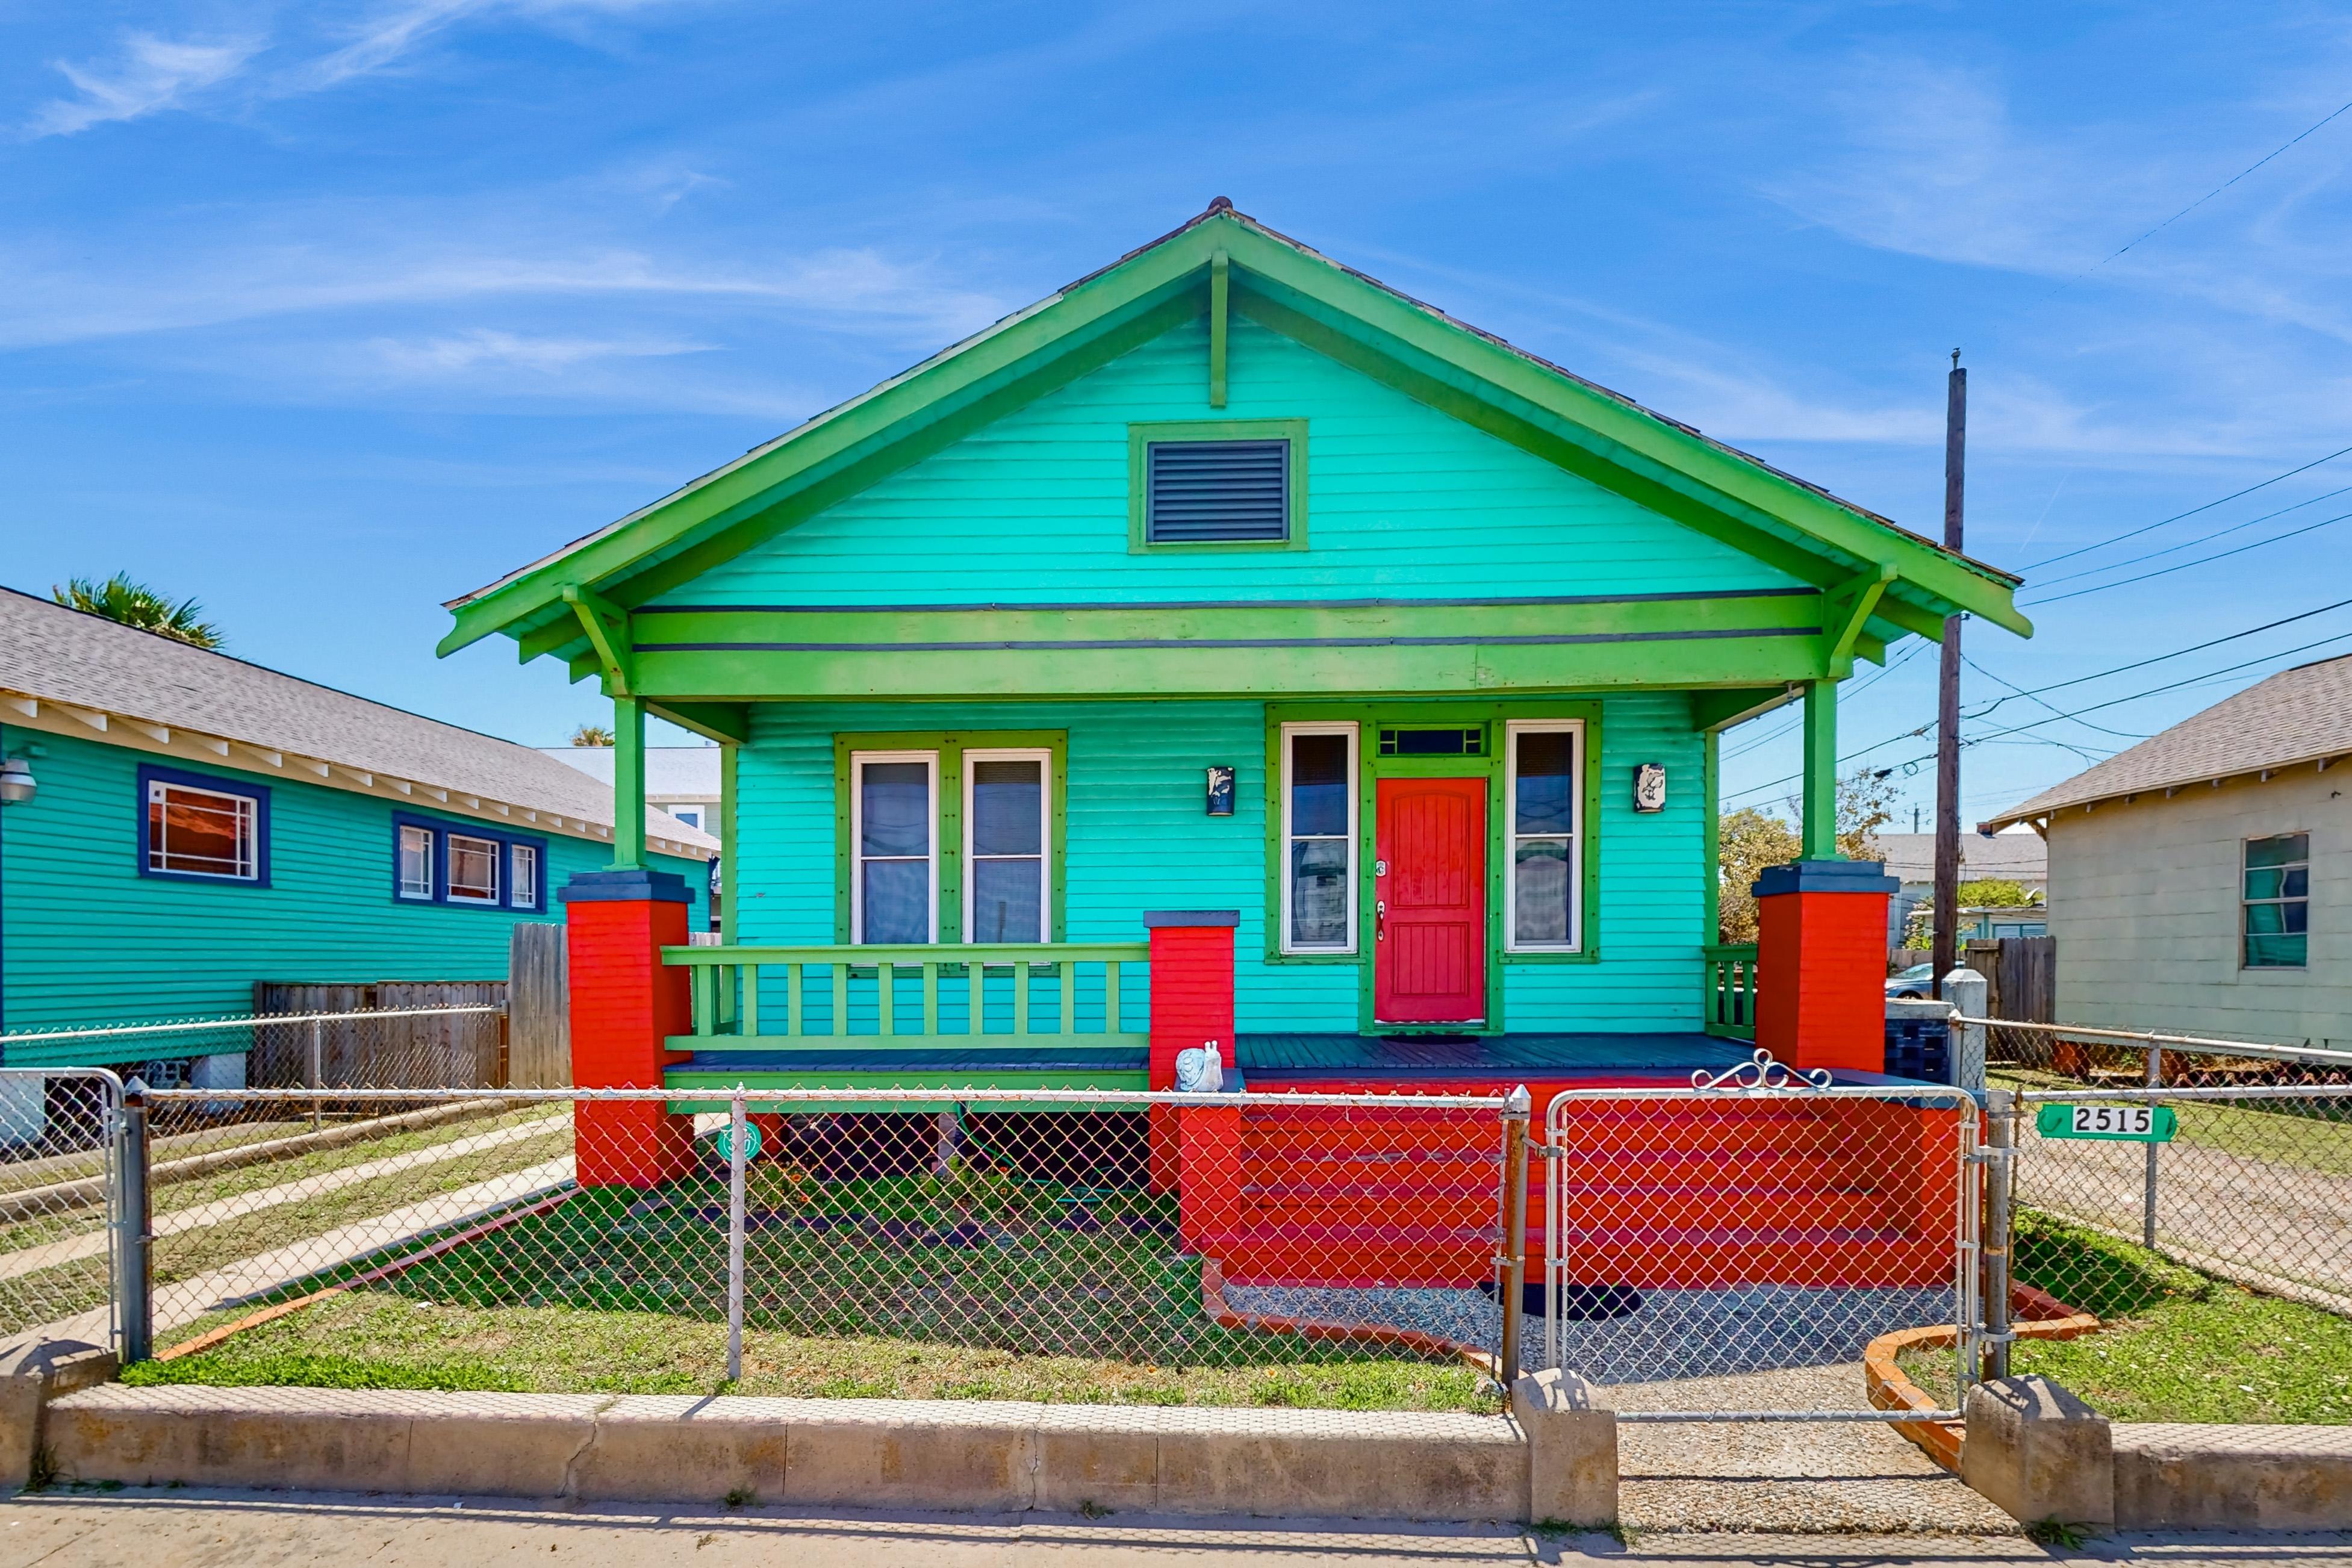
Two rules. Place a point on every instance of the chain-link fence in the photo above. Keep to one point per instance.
(59, 1188)
(1727, 1251)
(1295, 1248)
(387, 1047)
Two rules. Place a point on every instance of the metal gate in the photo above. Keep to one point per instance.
(64, 1192)
(1726, 1251)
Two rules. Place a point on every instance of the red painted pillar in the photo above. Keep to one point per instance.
(1192, 1005)
(624, 1003)
(1822, 961)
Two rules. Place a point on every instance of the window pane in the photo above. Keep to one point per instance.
(2298, 915)
(2297, 882)
(473, 869)
(2276, 951)
(415, 863)
(526, 875)
(895, 808)
(1319, 894)
(1008, 801)
(1546, 764)
(2264, 884)
(894, 900)
(2278, 851)
(198, 831)
(1005, 902)
(1318, 785)
(1542, 907)
(2263, 918)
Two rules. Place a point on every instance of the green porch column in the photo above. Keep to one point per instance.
(629, 783)
(1820, 842)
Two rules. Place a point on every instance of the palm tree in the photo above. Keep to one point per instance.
(591, 735)
(136, 605)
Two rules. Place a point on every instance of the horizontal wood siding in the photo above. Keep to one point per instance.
(85, 940)
(1140, 839)
(1402, 501)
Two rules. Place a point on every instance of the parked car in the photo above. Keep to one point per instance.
(1915, 984)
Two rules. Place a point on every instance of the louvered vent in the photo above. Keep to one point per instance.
(1218, 491)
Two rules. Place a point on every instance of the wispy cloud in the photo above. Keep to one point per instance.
(385, 37)
(149, 75)
(487, 348)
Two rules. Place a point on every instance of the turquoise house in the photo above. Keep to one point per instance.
(178, 825)
(1224, 592)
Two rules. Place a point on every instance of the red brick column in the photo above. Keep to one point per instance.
(624, 1003)
(1821, 957)
(1192, 1005)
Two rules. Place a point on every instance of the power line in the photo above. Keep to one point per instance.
(2201, 201)
(2201, 560)
(2192, 511)
(2159, 659)
(2189, 544)
(2052, 707)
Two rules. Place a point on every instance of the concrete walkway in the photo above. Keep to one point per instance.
(198, 1529)
(174, 1222)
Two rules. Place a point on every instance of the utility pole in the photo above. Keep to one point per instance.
(1946, 951)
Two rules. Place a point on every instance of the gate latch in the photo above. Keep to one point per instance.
(1546, 1151)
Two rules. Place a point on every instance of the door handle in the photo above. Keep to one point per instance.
(1380, 920)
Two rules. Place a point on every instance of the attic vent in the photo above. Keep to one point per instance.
(1218, 493)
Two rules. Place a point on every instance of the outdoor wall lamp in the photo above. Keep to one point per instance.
(16, 784)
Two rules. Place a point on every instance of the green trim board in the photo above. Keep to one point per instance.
(950, 746)
(968, 1094)
(1171, 281)
(1492, 718)
(1139, 437)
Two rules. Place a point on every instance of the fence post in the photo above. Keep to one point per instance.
(2001, 1152)
(1966, 991)
(2147, 1182)
(314, 1071)
(738, 1136)
(1517, 1107)
(133, 1274)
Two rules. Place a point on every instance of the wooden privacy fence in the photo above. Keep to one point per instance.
(2023, 971)
(538, 1008)
(457, 1050)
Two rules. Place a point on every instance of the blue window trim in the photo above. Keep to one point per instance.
(219, 784)
(441, 827)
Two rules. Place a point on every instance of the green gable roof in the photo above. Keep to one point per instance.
(1900, 581)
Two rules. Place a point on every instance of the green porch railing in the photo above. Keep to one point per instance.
(1730, 998)
(987, 999)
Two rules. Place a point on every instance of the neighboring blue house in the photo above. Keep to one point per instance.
(179, 825)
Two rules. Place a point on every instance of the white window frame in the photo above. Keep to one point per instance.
(497, 849)
(432, 864)
(518, 857)
(1352, 733)
(1512, 730)
(857, 760)
(249, 832)
(1044, 758)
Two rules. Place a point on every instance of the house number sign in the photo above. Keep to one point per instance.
(2132, 1123)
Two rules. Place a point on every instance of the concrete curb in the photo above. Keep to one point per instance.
(971, 1456)
(34, 1374)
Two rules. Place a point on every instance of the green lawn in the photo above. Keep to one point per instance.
(977, 1287)
(2180, 1345)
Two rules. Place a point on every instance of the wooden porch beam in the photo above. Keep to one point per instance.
(1845, 612)
(607, 626)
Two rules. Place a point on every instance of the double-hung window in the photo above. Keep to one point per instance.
(439, 862)
(1006, 856)
(894, 841)
(1543, 795)
(2277, 896)
(204, 829)
(1319, 831)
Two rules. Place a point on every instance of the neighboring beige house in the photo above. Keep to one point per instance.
(2200, 882)
(2001, 857)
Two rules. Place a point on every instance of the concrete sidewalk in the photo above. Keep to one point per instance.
(201, 1530)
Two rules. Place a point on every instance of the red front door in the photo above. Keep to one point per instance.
(1429, 923)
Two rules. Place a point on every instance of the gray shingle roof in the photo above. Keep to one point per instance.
(2008, 857)
(57, 655)
(2298, 715)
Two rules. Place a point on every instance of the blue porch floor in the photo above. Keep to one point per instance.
(1267, 1061)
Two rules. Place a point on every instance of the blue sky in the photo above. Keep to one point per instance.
(325, 314)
